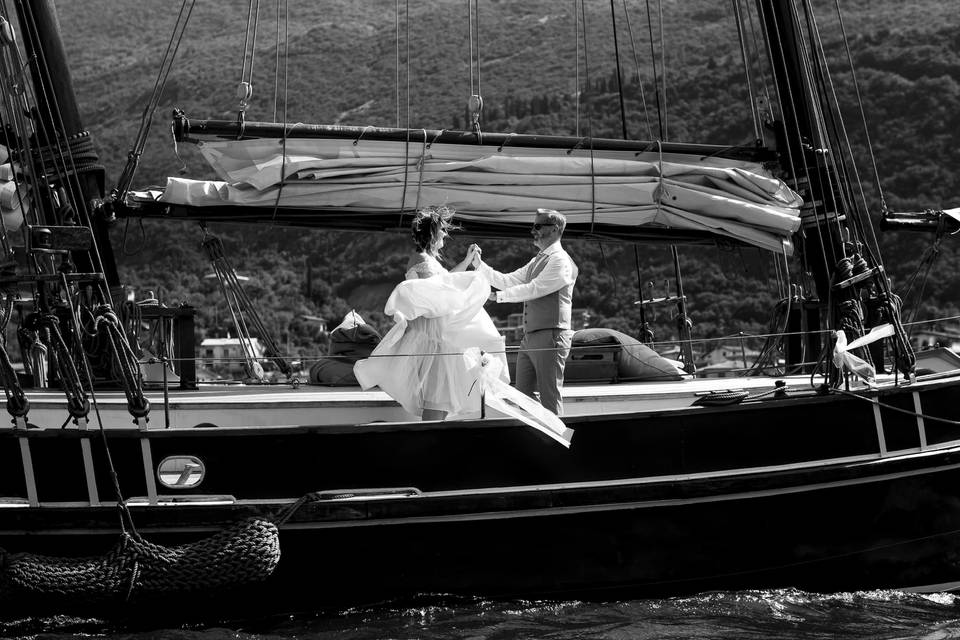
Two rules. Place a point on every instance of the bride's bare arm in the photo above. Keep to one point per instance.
(467, 260)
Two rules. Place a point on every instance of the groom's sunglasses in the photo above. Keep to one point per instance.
(540, 225)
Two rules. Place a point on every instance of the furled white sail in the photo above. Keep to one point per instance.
(736, 199)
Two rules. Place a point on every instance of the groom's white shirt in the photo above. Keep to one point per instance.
(526, 283)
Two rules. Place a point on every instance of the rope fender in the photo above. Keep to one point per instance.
(248, 551)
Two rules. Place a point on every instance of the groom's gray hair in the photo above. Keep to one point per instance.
(555, 217)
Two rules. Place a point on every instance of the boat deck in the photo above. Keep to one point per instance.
(266, 405)
(240, 405)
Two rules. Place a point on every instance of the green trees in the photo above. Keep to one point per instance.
(908, 72)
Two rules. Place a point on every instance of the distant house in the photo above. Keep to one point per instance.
(726, 361)
(226, 355)
(931, 338)
(321, 324)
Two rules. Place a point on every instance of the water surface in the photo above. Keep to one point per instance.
(780, 614)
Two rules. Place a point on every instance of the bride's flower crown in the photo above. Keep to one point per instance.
(431, 224)
(443, 211)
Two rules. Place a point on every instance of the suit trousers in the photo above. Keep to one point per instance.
(540, 363)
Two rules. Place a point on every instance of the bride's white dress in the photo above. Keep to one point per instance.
(420, 363)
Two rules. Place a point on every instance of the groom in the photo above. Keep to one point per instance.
(545, 286)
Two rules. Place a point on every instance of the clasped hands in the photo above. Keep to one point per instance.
(473, 255)
(473, 258)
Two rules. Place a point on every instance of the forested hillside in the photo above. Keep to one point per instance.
(342, 62)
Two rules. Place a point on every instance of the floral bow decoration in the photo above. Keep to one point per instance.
(499, 395)
(845, 360)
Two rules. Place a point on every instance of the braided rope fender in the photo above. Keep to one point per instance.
(247, 551)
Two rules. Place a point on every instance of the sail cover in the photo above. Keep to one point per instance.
(724, 197)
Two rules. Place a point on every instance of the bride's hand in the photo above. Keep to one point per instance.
(473, 255)
(471, 258)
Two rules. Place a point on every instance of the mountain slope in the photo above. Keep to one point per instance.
(343, 67)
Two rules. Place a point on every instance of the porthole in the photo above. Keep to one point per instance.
(181, 472)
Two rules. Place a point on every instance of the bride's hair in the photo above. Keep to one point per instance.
(430, 226)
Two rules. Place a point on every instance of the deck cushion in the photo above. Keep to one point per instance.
(600, 354)
(347, 345)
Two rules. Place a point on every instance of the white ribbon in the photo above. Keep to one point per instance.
(845, 360)
(501, 396)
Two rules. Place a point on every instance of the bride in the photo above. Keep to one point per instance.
(438, 315)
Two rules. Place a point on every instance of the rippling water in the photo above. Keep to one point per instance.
(782, 614)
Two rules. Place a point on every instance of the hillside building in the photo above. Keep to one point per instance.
(226, 355)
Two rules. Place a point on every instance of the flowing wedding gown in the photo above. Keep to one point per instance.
(420, 363)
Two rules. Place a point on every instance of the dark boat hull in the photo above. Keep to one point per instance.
(823, 493)
(896, 529)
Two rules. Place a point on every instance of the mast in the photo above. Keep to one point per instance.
(809, 168)
(804, 156)
(832, 244)
(61, 132)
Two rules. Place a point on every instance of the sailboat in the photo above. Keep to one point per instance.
(836, 471)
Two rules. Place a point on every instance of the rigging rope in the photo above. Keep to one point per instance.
(586, 78)
(842, 161)
(746, 69)
(663, 66)
(768, 358)
(475, 102)
(284, 40)
(62, 187)
(576, 38)
(30, 128)
(917, 283)
(616, 52)
(762, 69)
(636, 62)
(476, 23)
(817, 122)
(240, 307)
(775, 40)
(905, 359)
(470, 43)
(473, 37)
(146, 118)
(125, 361)
(397, 47)
(124, 515)
(283, 162)
(17, 403)
(420, 166)
(656, 80)
(779, 322)
(83, 159)
(8, 133)
(245, 88)
(61, 159)
(406, 147)
(47, 326)
(863, 119)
